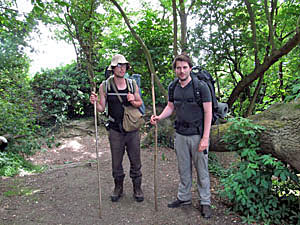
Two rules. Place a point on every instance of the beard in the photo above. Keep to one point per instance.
(183, 79)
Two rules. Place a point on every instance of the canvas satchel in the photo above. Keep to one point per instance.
(133, 118)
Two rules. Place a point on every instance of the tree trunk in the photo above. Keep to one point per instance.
(183, 25)
(281, 137)
(175, 29)
(254, 97)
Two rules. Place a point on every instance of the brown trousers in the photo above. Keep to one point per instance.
(119, 143)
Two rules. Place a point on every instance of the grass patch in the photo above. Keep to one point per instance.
(12, 164)
(20, 191)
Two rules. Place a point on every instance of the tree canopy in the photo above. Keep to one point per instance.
(250, 47)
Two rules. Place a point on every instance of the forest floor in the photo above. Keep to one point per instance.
(67, 192)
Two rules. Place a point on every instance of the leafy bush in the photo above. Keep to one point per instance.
(259, 185)
(17, 117)
(294, 91)
(17, 114)
(63, 93)
(215, 166)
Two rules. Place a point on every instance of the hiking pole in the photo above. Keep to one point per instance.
(155, 152)
(97, 155)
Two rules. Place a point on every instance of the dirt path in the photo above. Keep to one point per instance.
(67, 193)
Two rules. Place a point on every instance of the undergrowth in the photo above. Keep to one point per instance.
(12, 164)
(258, 187)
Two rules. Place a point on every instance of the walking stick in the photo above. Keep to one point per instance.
(98, 160)
(155, 152)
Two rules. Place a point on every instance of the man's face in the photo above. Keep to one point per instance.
(182, 70)
(120, 70)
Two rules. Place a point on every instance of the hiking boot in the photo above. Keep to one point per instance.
(177, 203)
(118, 190)
(206, 211)
(137, 190)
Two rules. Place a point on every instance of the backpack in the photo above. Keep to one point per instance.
(137, 78)
(132, 82)
(219, 110)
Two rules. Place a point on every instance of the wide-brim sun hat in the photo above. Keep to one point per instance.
(116, 59)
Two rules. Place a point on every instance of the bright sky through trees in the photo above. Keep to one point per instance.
(50, 53)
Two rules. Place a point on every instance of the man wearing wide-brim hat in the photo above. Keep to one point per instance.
(120, 140)
(118, 59)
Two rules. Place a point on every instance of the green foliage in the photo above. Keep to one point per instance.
(63, 93)
(12, 164)
(223, 42)
(259, 187)
(79, 24)
(294, 91)
(17, 114)
(17, 119)
(156, 32)
(215, 167)
(18, 192)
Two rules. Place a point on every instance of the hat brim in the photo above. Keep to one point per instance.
(114, 65)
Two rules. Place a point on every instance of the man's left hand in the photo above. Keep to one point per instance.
(130, 97)
(203, 144)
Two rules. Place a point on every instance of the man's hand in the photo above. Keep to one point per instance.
(203, 145)
(93, 98)
(154, 119)
(130, 97)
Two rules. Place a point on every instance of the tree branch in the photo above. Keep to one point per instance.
(253, 28)
(144, 47)
(261, 69)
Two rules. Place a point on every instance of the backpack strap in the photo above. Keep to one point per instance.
(196, 88)
(131, 84)
(197, 93)
(107, 85)
(209, 82)
(172, 89)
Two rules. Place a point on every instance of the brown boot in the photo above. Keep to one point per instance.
(118, 190)
(137, 190)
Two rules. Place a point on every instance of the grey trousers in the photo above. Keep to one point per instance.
(119, 143)
(187, 154)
